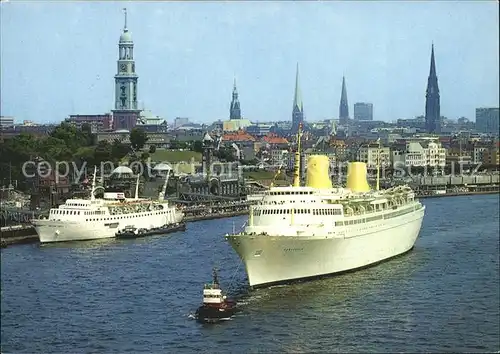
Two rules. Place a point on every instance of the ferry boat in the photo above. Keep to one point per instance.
(300, 232)
(216, 305)
(89, 219)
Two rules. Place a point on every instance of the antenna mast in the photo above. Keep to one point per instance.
(296, 173)
(92, 196)
(137, 187)
(161, 197)
(378, 164)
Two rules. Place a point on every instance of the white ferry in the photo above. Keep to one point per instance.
(307, 231)
(89, 219)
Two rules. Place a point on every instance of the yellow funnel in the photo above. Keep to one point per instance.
(356, 177)
(318, 172)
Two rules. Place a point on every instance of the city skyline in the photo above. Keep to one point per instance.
(246, 42)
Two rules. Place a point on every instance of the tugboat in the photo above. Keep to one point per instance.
(216, 306)
(133, 232)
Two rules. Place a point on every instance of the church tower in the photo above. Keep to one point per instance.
(298, 108)
(432, 105)
(344, 105)
(126, 112)
(234, 110)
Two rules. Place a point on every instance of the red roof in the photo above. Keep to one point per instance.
(238, 136)
(274, 139)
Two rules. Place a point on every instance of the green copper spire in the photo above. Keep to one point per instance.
(297, 99)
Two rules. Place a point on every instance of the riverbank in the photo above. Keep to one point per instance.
(456, 194)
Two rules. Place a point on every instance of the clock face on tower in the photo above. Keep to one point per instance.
(123, 67)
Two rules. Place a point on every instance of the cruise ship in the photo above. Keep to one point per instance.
(90, 219)
(300, 232)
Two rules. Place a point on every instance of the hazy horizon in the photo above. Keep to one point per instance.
(60, 58)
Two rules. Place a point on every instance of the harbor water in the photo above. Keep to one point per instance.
(136, 295)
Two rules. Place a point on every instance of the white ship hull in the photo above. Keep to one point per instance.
(57, 231)
(277, 259)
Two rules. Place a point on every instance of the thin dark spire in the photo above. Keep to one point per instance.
(297, 98)
(432, 99)
(432, 72)
(344, 105)
(234, 110)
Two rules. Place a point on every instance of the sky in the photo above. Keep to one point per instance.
(59, 58)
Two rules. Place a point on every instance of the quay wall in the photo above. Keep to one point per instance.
(492, 179)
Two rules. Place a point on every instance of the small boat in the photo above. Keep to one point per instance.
(134, 232)
(216, 306)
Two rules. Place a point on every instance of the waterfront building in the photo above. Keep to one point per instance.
(487, 120)
(372, 153)
(126, 112)
(491, 155)
(478, 152)
(363, 111)
(432, 100)
(420, 152)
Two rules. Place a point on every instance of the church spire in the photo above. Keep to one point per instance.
(432, 99)
(126, 112)
(234, 110)
(432, 71)
(344, 105)
(298, 107)
(297, 98)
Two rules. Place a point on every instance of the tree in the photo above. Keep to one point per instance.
(138, 138)
(152, 149)
(118, 150)
(88, 135)
(225, 154)
(198, 146)
(102, 152)
(73, 137)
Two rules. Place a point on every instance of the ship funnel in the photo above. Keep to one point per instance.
(318, 172)
(356, 177)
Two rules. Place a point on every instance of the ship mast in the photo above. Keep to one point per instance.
(378, 165)
(278, 172)
(161, 197)
(296, 173)
(137, 187)
(92, 196)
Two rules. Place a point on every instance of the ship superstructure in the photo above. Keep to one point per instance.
(306, 231)
(88, 219)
